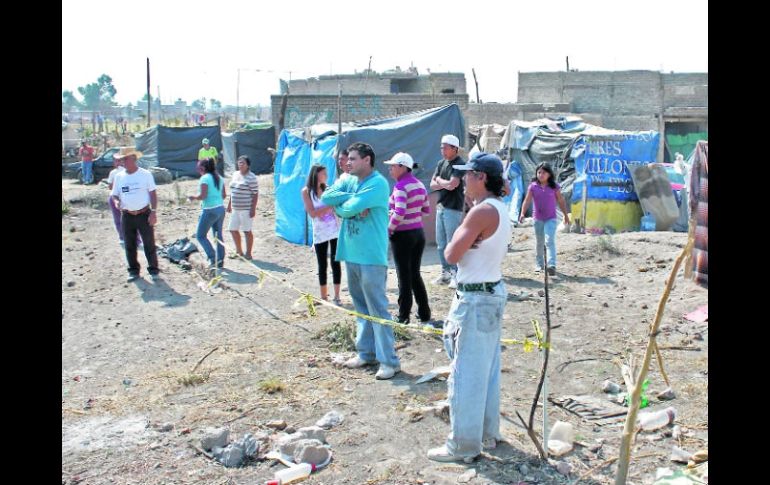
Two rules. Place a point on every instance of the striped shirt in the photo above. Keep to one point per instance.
(242, 189)
(407, 204)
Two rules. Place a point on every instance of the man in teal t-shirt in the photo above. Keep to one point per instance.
(361, 200)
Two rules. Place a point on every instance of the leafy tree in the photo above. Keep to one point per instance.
(215, 104)
(199, 104)
(98, 95)
(69, 101)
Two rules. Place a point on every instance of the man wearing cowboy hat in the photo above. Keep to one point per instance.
(134, 193)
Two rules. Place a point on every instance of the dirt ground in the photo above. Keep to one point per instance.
(130, 351)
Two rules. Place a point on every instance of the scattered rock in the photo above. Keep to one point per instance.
(523, 469)
(312, 433)
(540, 292)
(331, 419)
(467, 476)
(165, 427)
(311, 451)
(644, 306)
(214, 437)
(679, 455)
(606, 305)
(231, 457)
(70, 283)
(697, 336)
(610, 387)
(667, 394)
(676, 432)
(564, 468)
(278, 424)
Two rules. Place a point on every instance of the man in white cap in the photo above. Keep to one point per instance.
(134, 193)
(207, 151)
(447, 180)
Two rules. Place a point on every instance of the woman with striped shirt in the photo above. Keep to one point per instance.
(408, 204)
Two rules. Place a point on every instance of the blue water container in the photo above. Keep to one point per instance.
(648, 222)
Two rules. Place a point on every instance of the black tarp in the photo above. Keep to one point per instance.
(252, 143)
(175, 148)
(418, 134)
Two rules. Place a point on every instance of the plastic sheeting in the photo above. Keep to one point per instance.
(293, 160)
(418, 134)
(175, 148)
(252, 143)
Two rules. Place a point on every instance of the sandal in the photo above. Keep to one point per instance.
(337, 302)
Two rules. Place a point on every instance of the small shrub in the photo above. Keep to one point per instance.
(272, 385)
(605, 244)
(341, 336)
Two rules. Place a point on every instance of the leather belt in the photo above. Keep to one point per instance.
(136, 213)
(486, 286)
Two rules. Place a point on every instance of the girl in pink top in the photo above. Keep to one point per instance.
(545, 193)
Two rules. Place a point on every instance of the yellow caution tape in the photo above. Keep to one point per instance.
(311, 300)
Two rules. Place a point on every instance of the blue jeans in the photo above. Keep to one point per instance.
(472, 342)
(517, 196)
(212, 219)
(366, 283)
(447, 222)
(88, 172)
(546, 229)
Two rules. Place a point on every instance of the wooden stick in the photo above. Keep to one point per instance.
(602, 465)
(533, 437)
(674, 347)
(628, 430)
(202, 359)
(660, 363)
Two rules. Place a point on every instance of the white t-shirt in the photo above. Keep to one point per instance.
(133, 189)
(113, 173)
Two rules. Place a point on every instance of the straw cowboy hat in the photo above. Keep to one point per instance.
(126, 151)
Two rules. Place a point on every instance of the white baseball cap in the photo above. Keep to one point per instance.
(401, 158)
(451, 140)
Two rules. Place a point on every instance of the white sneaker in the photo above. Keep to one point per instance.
(453, 280)
(357, 362)
(386, 372)
(443, 455)
(443, 278)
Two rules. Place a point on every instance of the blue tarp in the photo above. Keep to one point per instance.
(418, 134)
(293, 160)
(603, 156)
(175, 148)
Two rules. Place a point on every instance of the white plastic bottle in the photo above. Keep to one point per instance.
(294, 473)
(658, 419)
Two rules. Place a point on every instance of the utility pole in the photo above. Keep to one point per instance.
(339, 109)
(473, 70)
(149, 96)
(238, 97)
(567, 63)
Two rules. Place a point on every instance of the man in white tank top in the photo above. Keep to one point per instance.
(472, 331)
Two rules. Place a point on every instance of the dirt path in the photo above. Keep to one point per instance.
(128, 350)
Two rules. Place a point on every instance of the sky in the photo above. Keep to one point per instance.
(197, 48)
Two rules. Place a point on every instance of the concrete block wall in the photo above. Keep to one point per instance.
(685, 89)
(615, 92)
(304, 110)
(350, 85)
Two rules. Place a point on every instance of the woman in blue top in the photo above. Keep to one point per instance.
(212, 194)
